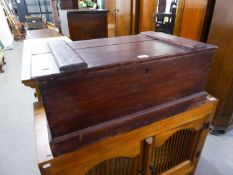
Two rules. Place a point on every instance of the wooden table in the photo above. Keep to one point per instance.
(42, 33)
(177, 142)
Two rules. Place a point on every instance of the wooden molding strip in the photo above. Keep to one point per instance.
(66, 58)
(181, 42)
(185, 167)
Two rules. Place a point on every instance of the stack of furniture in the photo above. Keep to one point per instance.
(109, 108)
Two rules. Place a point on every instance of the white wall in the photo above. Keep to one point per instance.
(5, 34)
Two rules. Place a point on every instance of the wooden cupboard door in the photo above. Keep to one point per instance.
(220, 81)
(123, 17)
(177, 151)
(193, 19)
(147, 14)
(179, 17)
(119, 17)
(111, 6)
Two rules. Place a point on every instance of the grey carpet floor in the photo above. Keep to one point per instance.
(17, 141)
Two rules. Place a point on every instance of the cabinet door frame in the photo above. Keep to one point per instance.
(200, 131)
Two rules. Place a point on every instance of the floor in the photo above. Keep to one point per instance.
(17, 141)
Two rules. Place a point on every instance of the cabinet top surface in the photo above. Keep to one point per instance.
(85, 10)
(58, 56)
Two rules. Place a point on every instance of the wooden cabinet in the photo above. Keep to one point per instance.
(68, 4)
(84, 24)
(121, 17)
(220, 81)
(167, 147)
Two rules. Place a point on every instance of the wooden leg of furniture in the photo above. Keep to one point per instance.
(37, 92)
(168, 147)
(3, 60)
(219, 130)
(1, 69)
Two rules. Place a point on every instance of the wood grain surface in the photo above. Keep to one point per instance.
(220, 82)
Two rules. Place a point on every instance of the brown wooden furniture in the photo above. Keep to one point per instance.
(122, 17)
(69, 4)
(86, 24)
(92, 89)
(220, 81)
(168, 147)
(191, 19)
(147, 15)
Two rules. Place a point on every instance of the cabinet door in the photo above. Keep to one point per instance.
(173, 152)
(119, 17)
(147, 12)
(123, 17)
(176, 151)
(193, 19)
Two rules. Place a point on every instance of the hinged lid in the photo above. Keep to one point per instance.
(61, 56)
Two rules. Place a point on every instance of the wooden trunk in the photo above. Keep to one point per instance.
(100, 88)
(220, 82)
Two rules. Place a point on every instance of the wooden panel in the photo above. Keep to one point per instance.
(193, 18)
(184, 168)
(73, 62)
(220, 81)
(179, 17)
(85, 25)
(120, 17)
(116, 166)
(68, 4)
(123, 18)
(174, 151)
(121, 79)
(135, 16)
(147, 12)
(92, 134)
(111, 7)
